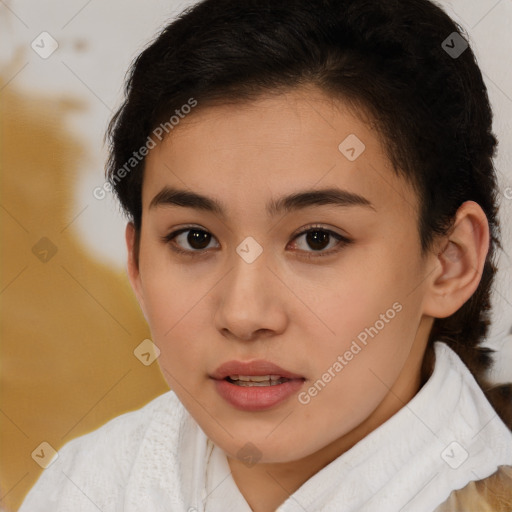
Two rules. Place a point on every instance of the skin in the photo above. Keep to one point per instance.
(299, 313)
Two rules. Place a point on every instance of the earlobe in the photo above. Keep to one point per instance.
(459, 263)
(133, 264)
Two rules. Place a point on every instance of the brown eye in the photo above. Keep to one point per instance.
(196, 239)
(318, 239)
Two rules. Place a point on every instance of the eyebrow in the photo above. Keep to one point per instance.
(170, 196)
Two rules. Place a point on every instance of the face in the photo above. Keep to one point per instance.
(299, 264)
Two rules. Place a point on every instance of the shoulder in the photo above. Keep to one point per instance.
(124, 432)
(493, 493)
(97, 464)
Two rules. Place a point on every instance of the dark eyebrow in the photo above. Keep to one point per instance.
(170, 196)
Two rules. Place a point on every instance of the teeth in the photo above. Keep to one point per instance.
(255, 384)
(255, 378)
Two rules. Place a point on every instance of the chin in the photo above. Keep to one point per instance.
(259, 450)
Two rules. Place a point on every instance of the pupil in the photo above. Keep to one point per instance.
(197, 238)
(317, 239)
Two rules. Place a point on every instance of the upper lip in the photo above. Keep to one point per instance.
(251, 368)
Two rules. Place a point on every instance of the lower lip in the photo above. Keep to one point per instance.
(257, 398)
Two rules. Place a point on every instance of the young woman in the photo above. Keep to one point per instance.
(312, 226)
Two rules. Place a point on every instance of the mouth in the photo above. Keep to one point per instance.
(257, 370)
(256, 380)
(255, 385)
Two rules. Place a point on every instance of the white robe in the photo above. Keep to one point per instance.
(157, 459)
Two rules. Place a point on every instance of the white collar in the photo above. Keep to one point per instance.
(409, 463)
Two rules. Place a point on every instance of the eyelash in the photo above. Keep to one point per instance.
(342, 242)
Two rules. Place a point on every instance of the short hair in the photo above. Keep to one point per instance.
(390, 60)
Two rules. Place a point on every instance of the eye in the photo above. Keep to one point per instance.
(317, 238)
(197, 239)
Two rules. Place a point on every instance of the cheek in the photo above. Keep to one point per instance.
(166, 295)
(371, 313)
(359, 294)
(165, 286)
(175, 301)
(351, 378)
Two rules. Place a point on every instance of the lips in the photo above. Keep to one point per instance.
(255, 368)
(255, 385)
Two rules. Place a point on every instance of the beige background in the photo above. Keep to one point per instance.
(70, 322)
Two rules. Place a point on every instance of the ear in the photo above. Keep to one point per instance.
(133, 265)
(459, 262)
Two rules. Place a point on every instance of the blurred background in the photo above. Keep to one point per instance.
(70, 323)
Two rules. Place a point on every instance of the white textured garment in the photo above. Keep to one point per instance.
(157, 459)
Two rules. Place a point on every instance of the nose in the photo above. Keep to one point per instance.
(251, 301)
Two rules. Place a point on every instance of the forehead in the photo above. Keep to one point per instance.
(250, 153)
